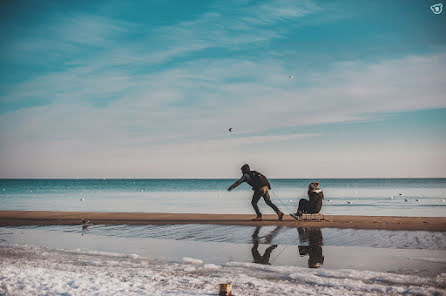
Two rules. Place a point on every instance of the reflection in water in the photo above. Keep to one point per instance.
(267, 239)
(312, 236)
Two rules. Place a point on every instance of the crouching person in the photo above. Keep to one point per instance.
(314, 204)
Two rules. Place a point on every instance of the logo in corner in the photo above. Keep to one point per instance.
(437, 8)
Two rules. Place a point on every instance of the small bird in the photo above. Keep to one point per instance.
(85, 223)
(291, 77)
(349, 202)
(406, 200)
(391, 197)
(329, 200)
(82, 199)
(400, 194)
(417, 200)
(230, 129)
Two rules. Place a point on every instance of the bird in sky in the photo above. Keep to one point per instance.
(230, 129)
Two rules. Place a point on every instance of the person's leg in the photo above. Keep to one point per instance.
(267, 254)
(255, 200)
(255, 253)
(269, 237)
(255, 235)
(303, 207)
(268, 201)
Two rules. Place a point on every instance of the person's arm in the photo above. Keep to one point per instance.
(237, 183)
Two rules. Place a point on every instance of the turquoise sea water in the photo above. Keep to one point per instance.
(400, 197)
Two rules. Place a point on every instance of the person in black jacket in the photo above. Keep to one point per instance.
(313, 205)
(260, 185)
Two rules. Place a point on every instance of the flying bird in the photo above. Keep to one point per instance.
(230, 129)
(291, 77)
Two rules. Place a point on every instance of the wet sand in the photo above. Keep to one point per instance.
(14, 218)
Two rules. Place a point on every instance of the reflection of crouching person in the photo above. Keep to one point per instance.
(314, 249)
(313, 205)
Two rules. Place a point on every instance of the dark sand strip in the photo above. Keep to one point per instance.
(13, 218)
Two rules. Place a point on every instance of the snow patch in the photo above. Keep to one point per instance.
(40, 271)
(211, 266)
(192, 260)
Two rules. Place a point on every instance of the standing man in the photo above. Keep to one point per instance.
(260, 185)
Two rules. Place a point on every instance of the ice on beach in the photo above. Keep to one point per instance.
(211, 266)
(189, 268)
(28, 270)
(192, 260)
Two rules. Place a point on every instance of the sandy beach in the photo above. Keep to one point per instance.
(12, 218)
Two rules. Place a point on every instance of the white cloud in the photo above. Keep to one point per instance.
(175, 120)
(143, 129)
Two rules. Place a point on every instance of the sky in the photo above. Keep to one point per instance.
(149, 89)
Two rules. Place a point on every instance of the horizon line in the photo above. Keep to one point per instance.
(201, 178)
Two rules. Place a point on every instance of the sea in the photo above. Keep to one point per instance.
(195, 259)
(381, 197)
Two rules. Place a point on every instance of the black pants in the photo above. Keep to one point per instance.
(258, 193)
(306, 207)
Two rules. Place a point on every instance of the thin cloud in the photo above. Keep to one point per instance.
(141, 103)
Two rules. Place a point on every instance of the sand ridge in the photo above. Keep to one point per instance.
(13, 218)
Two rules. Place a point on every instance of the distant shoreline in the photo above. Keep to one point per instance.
(235, 177)
(16, 218)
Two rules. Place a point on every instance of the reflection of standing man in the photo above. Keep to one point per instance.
(314, 249)
(255, 240)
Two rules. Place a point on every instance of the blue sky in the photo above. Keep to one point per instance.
(149, 89)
